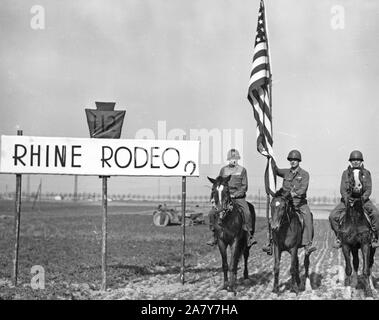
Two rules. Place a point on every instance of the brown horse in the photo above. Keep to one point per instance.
(228, 227)
(355, 233)
(287, 236)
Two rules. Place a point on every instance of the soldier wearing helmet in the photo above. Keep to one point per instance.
(238, 188)
(356, 162)
(296, 180)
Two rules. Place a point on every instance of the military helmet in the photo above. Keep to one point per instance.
(356, 155)
(294, 155)
(233, 154)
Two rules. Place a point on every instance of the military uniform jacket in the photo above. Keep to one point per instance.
(294, 181)
(347, 183)
(238, 180)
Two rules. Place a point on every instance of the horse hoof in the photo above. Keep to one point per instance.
(225, 286)
(232, 290)
(368, 293)
(295, 290)
(275, 290)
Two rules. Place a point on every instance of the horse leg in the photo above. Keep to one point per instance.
(307, 282)
(354, 280)
(371, 262)
(277, 255)
(298, 272)
(223, 252)
(348, 270)
(246, 257)
(366, 251)
(236, 253)
(294, 270)
(372, 255)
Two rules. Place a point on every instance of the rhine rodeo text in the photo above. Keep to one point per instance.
(122, 157)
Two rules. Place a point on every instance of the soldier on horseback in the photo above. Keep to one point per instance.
(295, 180)
(238, 188)
(350, 191)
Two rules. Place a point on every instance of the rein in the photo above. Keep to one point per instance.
(225, 209)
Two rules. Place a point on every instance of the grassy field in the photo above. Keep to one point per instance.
(65, 239)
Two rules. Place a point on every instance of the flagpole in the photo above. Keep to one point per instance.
(269, 233)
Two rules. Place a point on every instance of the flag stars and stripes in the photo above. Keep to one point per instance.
(259, 96)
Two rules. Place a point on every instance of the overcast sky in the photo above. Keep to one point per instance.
(188, 63)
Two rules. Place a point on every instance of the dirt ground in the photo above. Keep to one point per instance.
(144, 260)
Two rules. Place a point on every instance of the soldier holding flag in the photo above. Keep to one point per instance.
(295, 181)
(259, 94)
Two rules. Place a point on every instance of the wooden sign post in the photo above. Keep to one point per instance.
(104, 233)
(17, 219)
(184, 228)
(104, 122)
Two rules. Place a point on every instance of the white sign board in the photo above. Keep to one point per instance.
(103, 157)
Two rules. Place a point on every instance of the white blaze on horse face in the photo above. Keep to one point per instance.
(357, 182)
(219, 189)
(277, 203)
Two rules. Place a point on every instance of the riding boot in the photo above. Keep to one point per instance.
(212, 242)
(268, 248)
(374, 242)
(337, 243)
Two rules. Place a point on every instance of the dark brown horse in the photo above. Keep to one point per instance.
(228, 226)
(355, 233)
(287, 236)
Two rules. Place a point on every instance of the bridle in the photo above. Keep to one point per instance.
(225, 208)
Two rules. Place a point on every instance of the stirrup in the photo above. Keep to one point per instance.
(251, 241)
(309, 249)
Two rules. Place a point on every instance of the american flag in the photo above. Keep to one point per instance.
(259, 97)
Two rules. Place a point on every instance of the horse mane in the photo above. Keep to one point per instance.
(281, 193)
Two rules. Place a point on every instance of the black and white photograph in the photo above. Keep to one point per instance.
(215, 151)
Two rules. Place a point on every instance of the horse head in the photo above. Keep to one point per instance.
(356, 183)
(220, 195)
(279, 206)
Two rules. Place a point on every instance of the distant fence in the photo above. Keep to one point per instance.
(88, 196)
